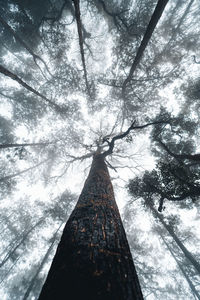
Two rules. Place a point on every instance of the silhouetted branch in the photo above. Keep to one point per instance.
(121, 136)
(11, 75)
(160, 207)
(194, 157)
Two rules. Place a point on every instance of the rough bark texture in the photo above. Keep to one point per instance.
(93, 259)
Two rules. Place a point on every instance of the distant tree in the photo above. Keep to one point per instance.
(33, 281)
(191, 285)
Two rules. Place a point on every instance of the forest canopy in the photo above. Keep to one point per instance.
(121, 76)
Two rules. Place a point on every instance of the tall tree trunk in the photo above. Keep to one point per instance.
(80, 35)
(23, 239)
(187, 253)
(93, 259)
(33, 280)
(191, 285)
(147, 36)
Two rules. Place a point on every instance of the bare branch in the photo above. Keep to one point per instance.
(113, 168)
(81, 158)
(121, 136)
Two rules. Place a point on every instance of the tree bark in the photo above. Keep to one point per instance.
(93, 259)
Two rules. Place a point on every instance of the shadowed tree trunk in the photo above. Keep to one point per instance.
(80, 35)
(93, 260)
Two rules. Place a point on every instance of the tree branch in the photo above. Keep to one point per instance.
(22, 172)
(194, 157)
(11, 75)
(183, 196)
(121, 136)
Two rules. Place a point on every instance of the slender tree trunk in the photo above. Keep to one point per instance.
(25, 235)
(9, 270)
(191, 285)
(147, 36)
(80, 35)
(93, 260)
(32, 282)
(22, 172)
(187, 253)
